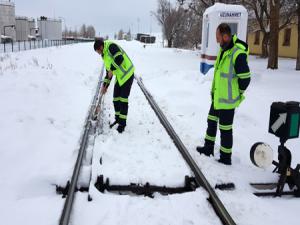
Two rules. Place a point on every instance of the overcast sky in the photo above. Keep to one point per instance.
(107, 16)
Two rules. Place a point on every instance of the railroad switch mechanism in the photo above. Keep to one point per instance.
(147, 189)
(284, 123)
(64, 190)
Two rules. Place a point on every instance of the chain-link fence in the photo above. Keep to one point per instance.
(34, 44)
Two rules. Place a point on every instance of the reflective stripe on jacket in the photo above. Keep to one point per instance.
(225, 86)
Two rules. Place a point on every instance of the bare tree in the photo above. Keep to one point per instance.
(65, 32)
(194, 28)
(171, 18)
(260, 10)
(274, 30)
(298, 27)
(120, 34)
(73, 33)
(162, 14)
(196, 6)
(189, 31)
(128, 35)
(196, 9)
(199, 6)
(83, 30)
(90, 32)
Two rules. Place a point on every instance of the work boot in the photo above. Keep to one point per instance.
(120, 128)
(111, 125)
(207, 150)
(225, 158)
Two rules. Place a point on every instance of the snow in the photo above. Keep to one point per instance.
(4, 36)
(123, 209)
(128, 158)
(45, 96)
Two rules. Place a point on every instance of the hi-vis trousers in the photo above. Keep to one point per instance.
(121, 94)
(223, 117)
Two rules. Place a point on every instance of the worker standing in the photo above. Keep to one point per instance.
(117, 63)
(231, 78)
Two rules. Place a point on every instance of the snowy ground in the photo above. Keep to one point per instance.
(144, 153)
(45, 96)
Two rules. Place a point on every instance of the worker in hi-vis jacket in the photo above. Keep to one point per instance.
(231, 78)
(117, 63)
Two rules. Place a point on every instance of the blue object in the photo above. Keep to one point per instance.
(204, 67)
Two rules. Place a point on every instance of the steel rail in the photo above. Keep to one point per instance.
(199, 176)
(66, 213)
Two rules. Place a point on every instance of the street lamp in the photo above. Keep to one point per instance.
(64, 19)
(138, 22)
(151, 14)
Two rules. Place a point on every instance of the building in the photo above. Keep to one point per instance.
(7, 20)
(19, 28)
(145, 38)
(49, 29)
(25, 28)
(287, 43)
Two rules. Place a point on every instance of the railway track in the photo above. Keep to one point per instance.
(88, 129)
(199, 176)
(200, 179)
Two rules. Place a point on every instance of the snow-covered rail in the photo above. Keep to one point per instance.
(65, 217)
(199, 176)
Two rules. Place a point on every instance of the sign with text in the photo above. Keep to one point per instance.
(230, 14)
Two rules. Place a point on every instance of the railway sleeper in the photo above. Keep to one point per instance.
(147, 189)
(64, 190)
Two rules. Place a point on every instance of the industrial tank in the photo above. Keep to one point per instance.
(7, 18)
(25, 28)
(22, 30)
(50, 29)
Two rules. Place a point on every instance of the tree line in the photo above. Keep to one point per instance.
(84, 31)
(122, 35)
(182, 22)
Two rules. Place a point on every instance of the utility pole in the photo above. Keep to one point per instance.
(64, 19)
(150, 23)
(138, 22)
